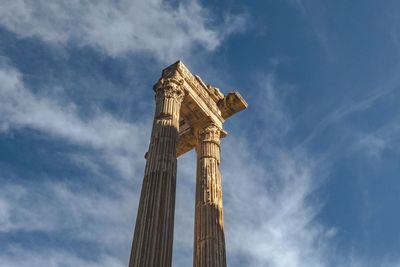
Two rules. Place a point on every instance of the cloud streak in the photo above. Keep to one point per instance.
(377, 142)
(17, 257)
(62, 209)
(270, 209)
(269, 218)
(121, 27)
(60, 119)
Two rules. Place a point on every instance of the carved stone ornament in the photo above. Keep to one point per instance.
(170, 88)
(189, 114)
(211, 133)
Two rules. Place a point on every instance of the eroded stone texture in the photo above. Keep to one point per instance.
(209, 243)
(152, 242)
(189, 114)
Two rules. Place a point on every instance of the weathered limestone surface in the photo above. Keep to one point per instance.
(189, 114)
(152, 242)
(209, 244)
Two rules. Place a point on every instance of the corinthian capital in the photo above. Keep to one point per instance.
(210, 133)
(170, 88)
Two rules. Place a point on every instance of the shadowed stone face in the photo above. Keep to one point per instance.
(188, 115)
(209, 243)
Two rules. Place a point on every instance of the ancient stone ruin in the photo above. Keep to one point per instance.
(189, 114)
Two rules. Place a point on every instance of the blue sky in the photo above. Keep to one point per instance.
(310, 170)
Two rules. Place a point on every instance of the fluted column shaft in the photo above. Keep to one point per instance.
(153, 236)
(209, 243)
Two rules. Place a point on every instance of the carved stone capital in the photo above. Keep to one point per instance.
(210, 133)
(170, 88)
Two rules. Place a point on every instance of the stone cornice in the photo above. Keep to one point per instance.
(203, 104)
(196, 88)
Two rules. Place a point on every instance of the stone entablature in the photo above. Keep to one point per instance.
(203, 104)
(189, 114)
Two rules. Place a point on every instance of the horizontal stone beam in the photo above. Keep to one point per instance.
(200, 100)
(231, 104)
(202, 105)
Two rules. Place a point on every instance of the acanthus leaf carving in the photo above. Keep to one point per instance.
(170, 88)
(210, 133)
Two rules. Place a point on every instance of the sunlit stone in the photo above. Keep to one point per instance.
(189, 114)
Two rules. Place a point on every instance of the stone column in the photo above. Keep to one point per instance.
(153, 236)
(209, 243)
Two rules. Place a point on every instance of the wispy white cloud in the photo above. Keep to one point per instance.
(270, 211)
(17, 257)
(372, 144)
(340, 112)
(272, 220)
(270, 103)
(105, 218)
(269, 218)
(122, 27)
(60, 207)
(376, 142)
(118, 140)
